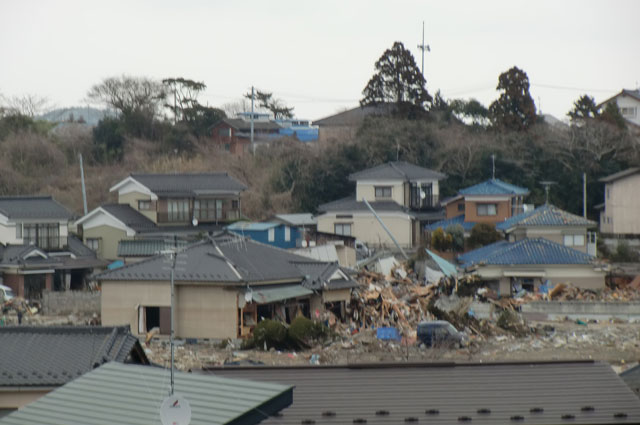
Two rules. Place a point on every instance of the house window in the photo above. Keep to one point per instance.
(44, 235)
(234, 204)
(628, 111)
(18, 230)
(144, 205)
(204, 209)
(178, 210)
(93, 244)
(487, 209)
(383, 191)
(342, 229)
(271, 235)
(461, 207)
(224, 132)
(287, 233)
(574, 240)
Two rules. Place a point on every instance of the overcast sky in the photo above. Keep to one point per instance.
(318, 56)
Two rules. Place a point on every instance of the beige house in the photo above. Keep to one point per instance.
(619, 213)
(155, 205)
(554, 224)
(223, 286)
(531, 262)
(404, 196)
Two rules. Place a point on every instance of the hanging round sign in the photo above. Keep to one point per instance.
(175, 410)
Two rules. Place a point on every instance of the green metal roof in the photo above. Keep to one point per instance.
(131, 394)
(269, 295)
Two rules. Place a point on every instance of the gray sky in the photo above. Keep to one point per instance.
(318, 56)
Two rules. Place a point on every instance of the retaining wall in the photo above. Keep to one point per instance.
(70, 302)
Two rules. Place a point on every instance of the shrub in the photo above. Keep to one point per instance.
(268, 333)
(483, 234)
(440, 241)
(304, 332)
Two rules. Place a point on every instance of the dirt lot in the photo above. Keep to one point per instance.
(616, 343)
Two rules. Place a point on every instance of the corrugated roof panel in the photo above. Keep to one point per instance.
(131, 394)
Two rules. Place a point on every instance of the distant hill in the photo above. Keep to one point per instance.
(88, 115)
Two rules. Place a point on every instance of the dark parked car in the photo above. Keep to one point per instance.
(440, 333)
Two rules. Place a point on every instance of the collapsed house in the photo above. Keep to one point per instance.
(224, 285)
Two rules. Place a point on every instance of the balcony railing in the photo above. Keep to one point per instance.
(205, 216)
(429, 202)
(50, 243)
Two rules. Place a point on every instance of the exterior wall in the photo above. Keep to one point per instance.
(557, 235)
(132, 199)
(15, 282)
(336, 295)
(346, 255)
(234, 145)
(279, 236)
(8, 234)
(503, 211)
(622, 203)
(582, 276)
(366, 228)
(20, 397)
(624, 101)
(366, 190)
(452, 210)
(120, 301)
(109, 238)
(205, 311)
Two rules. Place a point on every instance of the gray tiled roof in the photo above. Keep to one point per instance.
(545, 216)
(130, 217)
(397, 170)
(319, 275)
(619, 175)
(33, 208)
(125, 394)
(226, 259)
(146, 247)
(350, 204)
(245, 125)
(300, 219)
(391, 394)
(16, 255)
(54, 355)
(190, 184)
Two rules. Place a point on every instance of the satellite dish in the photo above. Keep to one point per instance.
(422, 194)
(175, 410)
(194, 221)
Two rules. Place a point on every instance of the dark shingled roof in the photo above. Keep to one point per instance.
(397, 170)
(245, 125)
(130, 217)
(33, 208)
(526, 251)
(54, 355)
(620, 175)
(190, 184)
(450, 394)
(545, 216)
(494, 187)
(350, 204)
(226, 259)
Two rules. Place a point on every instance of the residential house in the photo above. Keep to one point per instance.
(127, 394)
(37, 251)
(302, 130)
(223, 285)
(234, 134)
(550, 222)
(628, 102)
(404, 196)
(162, 205)
(38, 359)
(306, 223)
(344, 125)
(619, 213)
(274, 234)
(491, 201)
(450, 393)
(528, 263)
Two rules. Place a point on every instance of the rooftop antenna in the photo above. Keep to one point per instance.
(493, 166)
(547, 184)
(423, 47)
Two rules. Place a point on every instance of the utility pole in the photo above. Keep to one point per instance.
(84, 190)
(253, 146)
(493, 166)
(584, 195)
(423, 47)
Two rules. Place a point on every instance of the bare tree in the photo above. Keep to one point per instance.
(238, 106)
(30, 105)
(129, 95)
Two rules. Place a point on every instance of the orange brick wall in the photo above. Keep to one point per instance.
(503, 210)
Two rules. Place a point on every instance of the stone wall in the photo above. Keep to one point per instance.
(70, 302)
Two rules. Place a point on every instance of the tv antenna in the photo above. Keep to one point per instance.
(547, 184)
(423, 47)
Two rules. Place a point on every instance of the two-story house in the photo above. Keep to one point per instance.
(234, 134)
(37, 251)
(404, 196)
(155, 205)
(628, 102)
(491, 201)
(619, 212)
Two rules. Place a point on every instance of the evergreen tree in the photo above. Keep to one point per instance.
(514, 109)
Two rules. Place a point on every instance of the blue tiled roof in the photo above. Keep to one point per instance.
(546, 215)
(494, 187)
(526, 251)
(466, 225)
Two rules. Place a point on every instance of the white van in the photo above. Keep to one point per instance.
(6, 294)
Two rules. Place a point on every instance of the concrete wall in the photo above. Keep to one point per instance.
(132, 199)
(366, 228)
(120, 301)
(206, 312)
(69, 302)
(109, 238)
(622, 203)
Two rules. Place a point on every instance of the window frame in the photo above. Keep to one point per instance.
(383, 190)
(486, 205)
(342, 226)
(146, 202)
